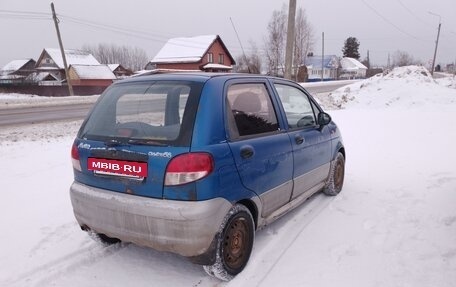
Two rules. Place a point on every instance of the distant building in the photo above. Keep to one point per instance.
(51, 61)
(17, 71)
(44, 79)
(46, 76)
(202, 53)
(91, 75)
(352, 69)
(317, 66)
(120, 71)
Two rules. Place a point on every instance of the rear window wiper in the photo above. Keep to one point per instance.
(115, 142)
(145, 142)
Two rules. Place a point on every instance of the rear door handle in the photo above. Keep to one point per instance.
(247, 152)
(299, 139)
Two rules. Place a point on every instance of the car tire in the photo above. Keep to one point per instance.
(336, 176)
(234, 243)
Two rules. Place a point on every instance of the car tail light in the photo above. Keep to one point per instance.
(75, 158)
(188, 167)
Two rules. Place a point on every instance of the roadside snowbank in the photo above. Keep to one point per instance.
(387, 90)
(8, 101)
(39, 132)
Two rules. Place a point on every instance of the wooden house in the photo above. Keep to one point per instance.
(352, 69)
(17, 71)
(91, 75)
(120, 71)
(319, 68)
(51, 61)
(201, 53)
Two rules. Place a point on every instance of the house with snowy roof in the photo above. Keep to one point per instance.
(51, 61)
(120, 71)
(317, 66)
(201, 53)
(352, 69)
(16, 72)
(91, 75)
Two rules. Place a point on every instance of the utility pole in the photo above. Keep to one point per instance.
(290, 39)
(368, 60)
(454, 69)
(322, 55)
(388, 64)
(56, 22)
(436, 42)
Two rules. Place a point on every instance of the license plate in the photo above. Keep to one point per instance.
(117, 167)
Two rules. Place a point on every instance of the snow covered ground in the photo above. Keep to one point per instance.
(394, 224)
(20, 100)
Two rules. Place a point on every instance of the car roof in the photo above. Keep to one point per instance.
(190, 76)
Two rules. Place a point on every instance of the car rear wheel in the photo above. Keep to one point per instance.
(234, 243)
(336, 176)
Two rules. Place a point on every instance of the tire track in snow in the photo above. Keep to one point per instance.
(288, 229)
(44, 274)
(53, 236)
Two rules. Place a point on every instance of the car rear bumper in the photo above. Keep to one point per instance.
(183, 227)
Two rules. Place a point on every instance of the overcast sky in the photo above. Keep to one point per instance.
(382, 27)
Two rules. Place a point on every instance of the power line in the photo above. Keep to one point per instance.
(391, 23)
(25, 12)
(413, 14)
(117, 30)
(429, 25)
(132, 32)
(25, 15)
(97, 26)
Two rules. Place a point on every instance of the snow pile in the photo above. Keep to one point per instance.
(386, 90)
(448, 81)
(39, 132)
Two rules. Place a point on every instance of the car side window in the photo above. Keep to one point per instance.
(298, 107)
(250, 110)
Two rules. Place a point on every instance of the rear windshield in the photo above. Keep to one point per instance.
(155, 113)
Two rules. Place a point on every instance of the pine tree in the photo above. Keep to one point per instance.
(351, 48)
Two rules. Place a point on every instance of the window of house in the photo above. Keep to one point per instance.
(221, 59)
(210, 57)
(250, 110)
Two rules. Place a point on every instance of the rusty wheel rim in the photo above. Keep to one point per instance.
(236, 243)
(339, 175)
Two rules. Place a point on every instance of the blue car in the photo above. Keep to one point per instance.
(194, 163)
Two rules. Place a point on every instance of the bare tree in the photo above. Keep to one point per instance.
(304, 41)
(251, 62)
(133, 58)
(275, 41)
(402, 58)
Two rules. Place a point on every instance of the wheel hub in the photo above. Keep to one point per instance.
(236, 236)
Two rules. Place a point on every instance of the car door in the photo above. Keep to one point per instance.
(310, 142)
(261, 149)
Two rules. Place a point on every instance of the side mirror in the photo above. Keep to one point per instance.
(324, 119)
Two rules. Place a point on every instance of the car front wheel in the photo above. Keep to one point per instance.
(336, 176)
(234, 243)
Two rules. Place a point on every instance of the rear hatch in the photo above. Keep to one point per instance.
(132, 133)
